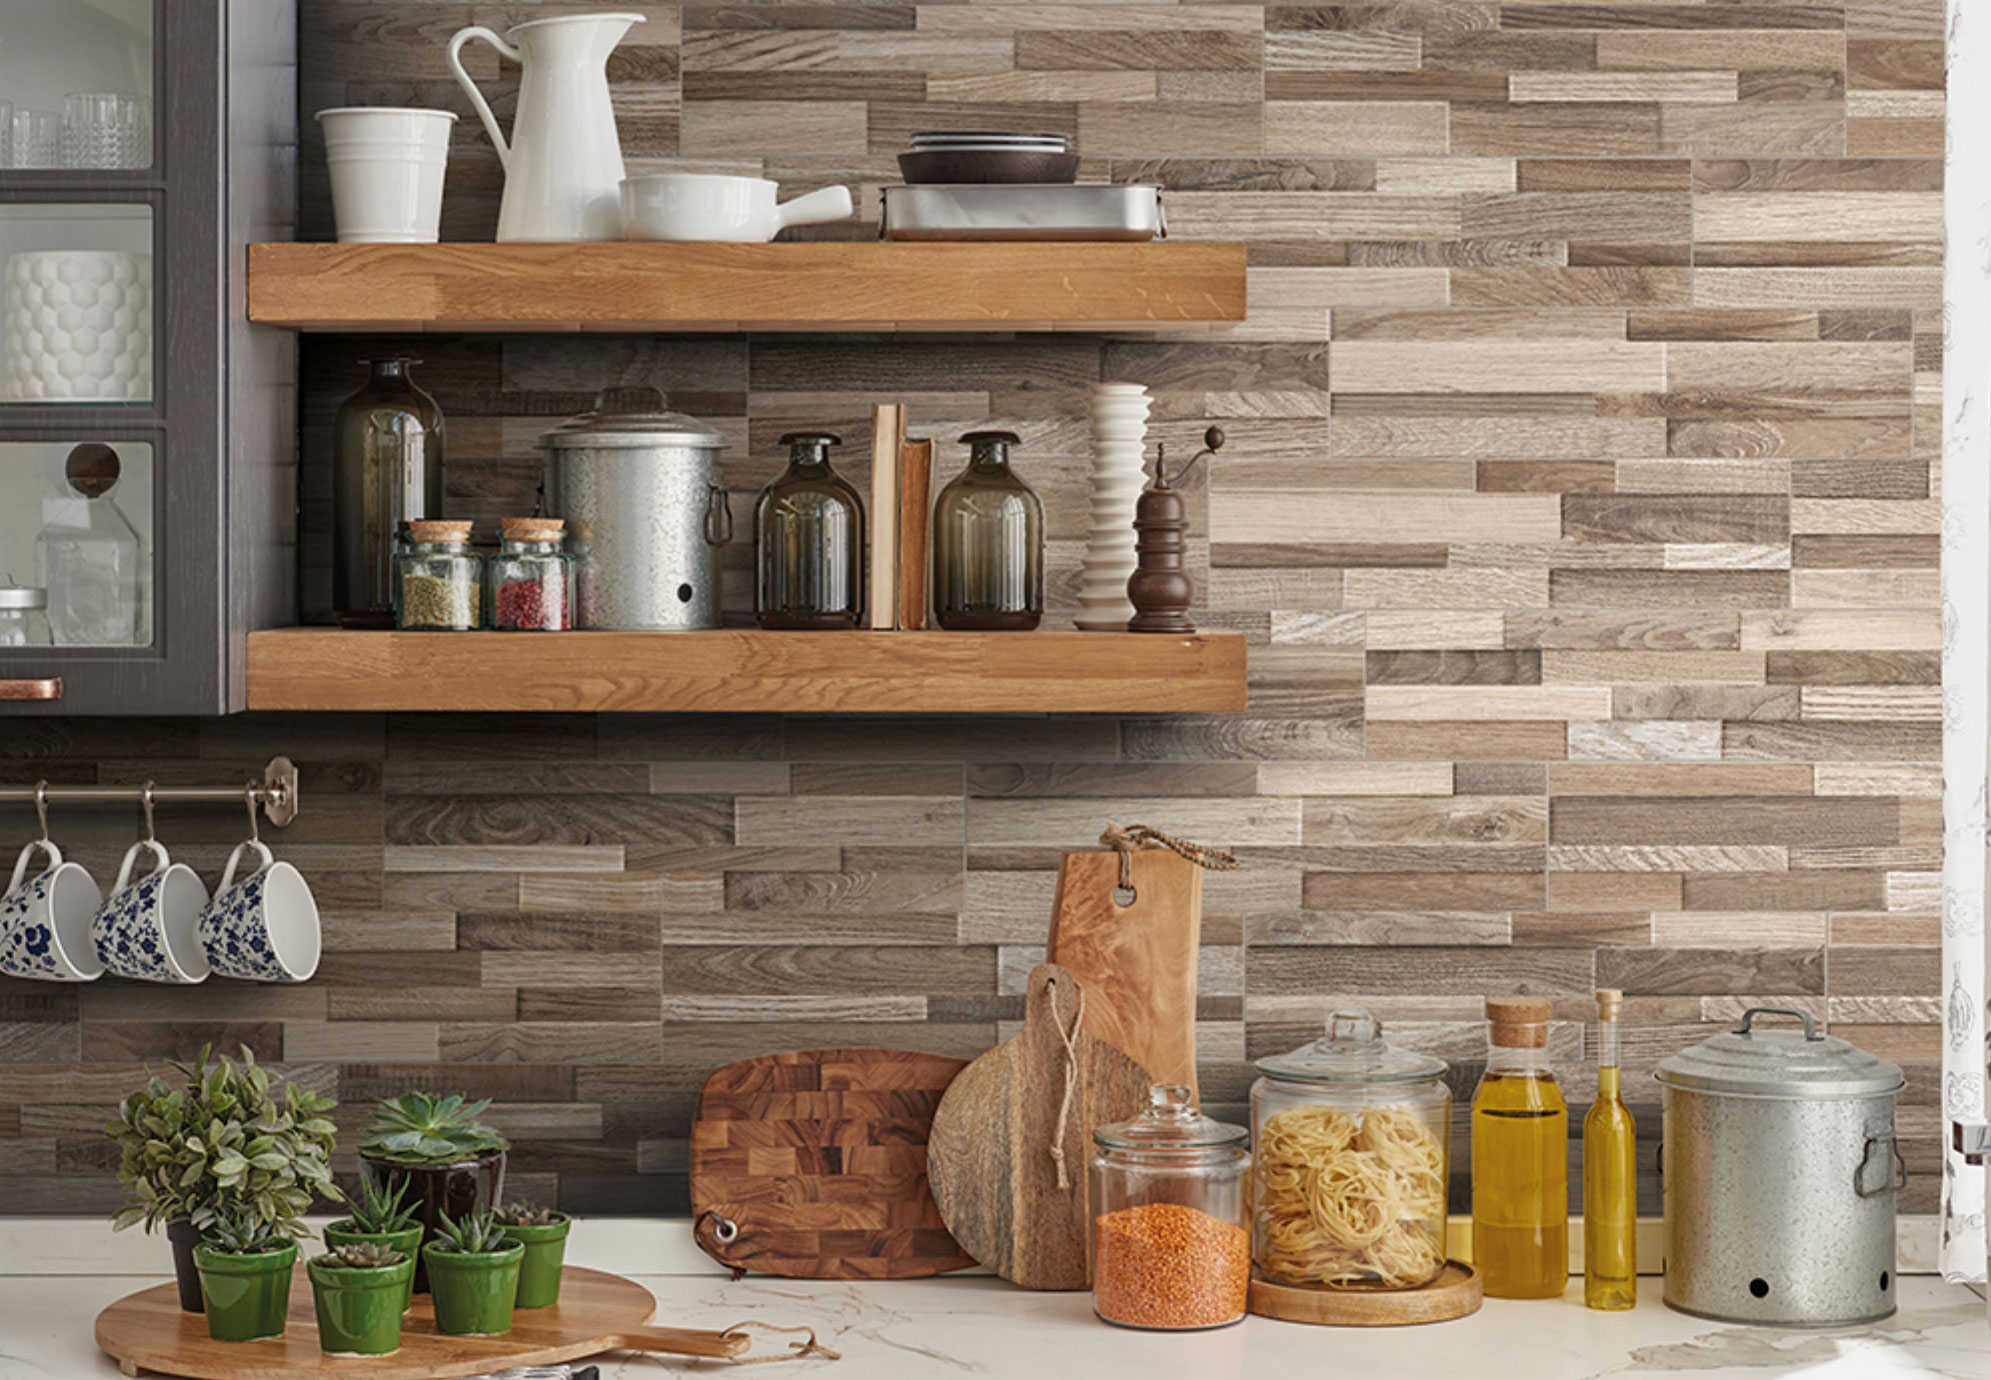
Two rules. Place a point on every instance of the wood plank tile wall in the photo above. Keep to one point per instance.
(1580, 505)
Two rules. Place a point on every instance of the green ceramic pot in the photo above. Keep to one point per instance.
(545, 1251)
(359, 1311)
(247, 1296)
(408, 1242)
(474, 1293)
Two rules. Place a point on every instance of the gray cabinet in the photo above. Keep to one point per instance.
(147, 430)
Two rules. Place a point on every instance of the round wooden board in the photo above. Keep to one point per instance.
(597, 1312)
(1456, 1293)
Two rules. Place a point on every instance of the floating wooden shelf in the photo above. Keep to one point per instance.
(741, 287)
(748, 672)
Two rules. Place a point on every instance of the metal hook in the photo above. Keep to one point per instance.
(249, 794)
(41, 808)
(151, 835)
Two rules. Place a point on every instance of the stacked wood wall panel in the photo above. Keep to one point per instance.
(1580, 505)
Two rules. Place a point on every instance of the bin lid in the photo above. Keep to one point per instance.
(1353, 1051)
(1748, 1062)
(631, 417)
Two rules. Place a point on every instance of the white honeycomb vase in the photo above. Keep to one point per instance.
(79, 326)
(1119, 435)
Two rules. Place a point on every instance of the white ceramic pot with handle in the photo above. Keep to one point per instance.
(711, 206)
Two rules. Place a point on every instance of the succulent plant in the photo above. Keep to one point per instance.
(379, 1207)
(237, 1230)
(526, 1215)
(477, 1234)
(220, 1138)
(420, 1128)
(361, 1255)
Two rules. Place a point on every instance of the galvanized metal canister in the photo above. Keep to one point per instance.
(1780, 1173)
(646, 514)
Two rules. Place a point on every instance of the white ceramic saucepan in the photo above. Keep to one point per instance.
(710, 206)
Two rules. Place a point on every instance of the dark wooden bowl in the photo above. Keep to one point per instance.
(927, 169)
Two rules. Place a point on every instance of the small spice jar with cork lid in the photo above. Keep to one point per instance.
(1171, 1250)
(441, 579)
(530, 588)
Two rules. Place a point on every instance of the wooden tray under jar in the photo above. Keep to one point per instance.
(1456, 1293)
(597, 1312)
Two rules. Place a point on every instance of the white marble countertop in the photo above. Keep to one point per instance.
(977, 1326)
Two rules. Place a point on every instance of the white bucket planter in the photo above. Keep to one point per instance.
(387, 169)
(79, 326)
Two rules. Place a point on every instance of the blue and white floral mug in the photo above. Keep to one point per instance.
(264, 929)
(45, 920)
(150, 928)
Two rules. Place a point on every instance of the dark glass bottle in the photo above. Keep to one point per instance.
(988, 543)
(809, 542)
(386, 471)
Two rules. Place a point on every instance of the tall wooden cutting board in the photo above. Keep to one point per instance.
(1137, 961)
(990, 1160)
(818, 1159)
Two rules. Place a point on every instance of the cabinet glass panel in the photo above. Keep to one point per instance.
(76, 521)
(76, 84)
(76, 319)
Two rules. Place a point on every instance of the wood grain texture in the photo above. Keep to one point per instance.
(1135, 957)
(990, 1158)
(818, 1159)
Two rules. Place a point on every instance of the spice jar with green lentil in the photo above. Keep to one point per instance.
(1170, 1240)
(441, 579)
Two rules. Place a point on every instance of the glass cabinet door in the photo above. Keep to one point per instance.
(76, 533)
(76, 84)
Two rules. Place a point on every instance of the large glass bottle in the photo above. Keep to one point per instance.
(94, 564)
(1610, 1176)
(809, 542)
(387, 464)
(1520, 1144)
(988, 543)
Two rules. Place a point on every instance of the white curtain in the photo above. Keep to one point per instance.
(1966, 575)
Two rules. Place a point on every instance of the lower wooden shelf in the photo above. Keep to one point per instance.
(741, 671)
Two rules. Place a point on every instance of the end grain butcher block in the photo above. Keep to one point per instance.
(991, 1162)
(813, 1165)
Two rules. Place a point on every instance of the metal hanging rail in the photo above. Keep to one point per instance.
(276, 793)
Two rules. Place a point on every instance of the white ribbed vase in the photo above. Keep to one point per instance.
(1119, 435)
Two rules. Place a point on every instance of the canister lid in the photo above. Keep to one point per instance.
(438, 530)
(631, 417)
(23, 597)
(1751, 1062)
(532, 528)
(1170, 1122)
(1352, 1051)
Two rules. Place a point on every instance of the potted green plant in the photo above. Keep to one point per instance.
(220, 1137)
(453, 1163)
(473, 1275)
(544, 1234)
(245, 1268)
(358, 1289)
(381, 1216)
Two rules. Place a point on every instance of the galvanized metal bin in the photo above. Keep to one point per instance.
(1780, 1174)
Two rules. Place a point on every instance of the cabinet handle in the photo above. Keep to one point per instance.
(50, 689)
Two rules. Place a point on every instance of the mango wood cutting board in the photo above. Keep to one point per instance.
(990, 1158)
(597, 1312)
(813, 1165)
(1137, 961)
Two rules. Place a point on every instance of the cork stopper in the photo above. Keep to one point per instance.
(1610, 1003)
(435, 530)
(1519, 1022)
(532, 528)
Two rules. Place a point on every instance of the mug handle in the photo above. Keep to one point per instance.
(228, 873)
(461, 37)
(159, 852)
(21, 863)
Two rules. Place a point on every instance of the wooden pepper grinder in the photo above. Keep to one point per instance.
(1159, 589)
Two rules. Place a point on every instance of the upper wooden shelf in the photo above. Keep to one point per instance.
(746, 287)
(748, 672)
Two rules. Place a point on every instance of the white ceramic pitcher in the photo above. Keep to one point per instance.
(563, 166)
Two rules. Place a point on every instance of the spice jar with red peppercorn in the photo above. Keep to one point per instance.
(531, 585)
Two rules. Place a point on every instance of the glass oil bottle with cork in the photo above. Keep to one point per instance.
(1610, 1176)
(1520, 1149)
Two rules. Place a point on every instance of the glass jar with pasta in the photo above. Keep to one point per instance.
(1350, 1142)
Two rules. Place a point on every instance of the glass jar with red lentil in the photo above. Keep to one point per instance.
(531, 585)
(1171, 1245)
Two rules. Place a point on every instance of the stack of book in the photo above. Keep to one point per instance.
(901, 505)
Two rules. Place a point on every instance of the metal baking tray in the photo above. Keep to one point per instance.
(1022, 211)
